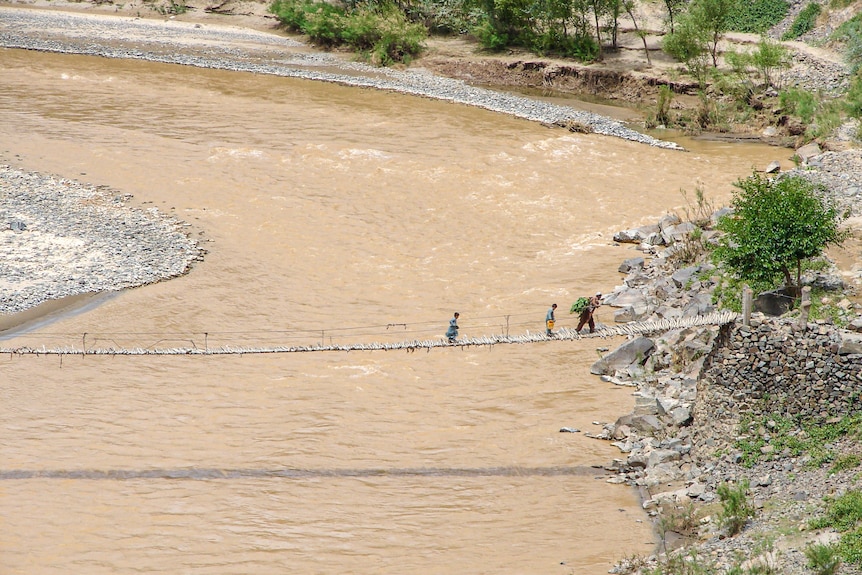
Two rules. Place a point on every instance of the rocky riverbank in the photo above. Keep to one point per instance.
(679, 443)
(63, 238)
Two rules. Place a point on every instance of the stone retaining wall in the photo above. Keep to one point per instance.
(769, 367)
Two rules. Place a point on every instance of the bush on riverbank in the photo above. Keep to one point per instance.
(381, 32)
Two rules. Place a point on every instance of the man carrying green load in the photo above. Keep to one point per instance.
(586, 307)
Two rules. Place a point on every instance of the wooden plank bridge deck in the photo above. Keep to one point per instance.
(563, 334)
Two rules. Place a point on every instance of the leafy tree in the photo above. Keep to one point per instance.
(775, 225)
(689, 45)
(713, 16)
(765, 63)
(600, 9)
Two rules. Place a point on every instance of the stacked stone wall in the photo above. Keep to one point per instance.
(771, 368)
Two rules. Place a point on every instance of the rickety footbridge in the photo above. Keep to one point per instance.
(563, 334)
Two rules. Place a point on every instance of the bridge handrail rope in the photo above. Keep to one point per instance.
(412, 330)
(564, 334)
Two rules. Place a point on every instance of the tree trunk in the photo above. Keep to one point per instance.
(638, 32)
(596, 7)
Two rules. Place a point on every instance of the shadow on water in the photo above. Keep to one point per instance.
(210, 473)
(35, 318)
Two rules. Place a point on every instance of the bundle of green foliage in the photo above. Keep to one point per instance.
(775, 225)
(736, 510)
(381, 31)
(580, 305)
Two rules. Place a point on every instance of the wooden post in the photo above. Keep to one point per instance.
(804, 308)
(746, 305)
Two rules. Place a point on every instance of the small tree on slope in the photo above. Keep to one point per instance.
(775, 225)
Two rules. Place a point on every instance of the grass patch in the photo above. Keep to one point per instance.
(806, 438)
(804, 21)
(850, 35)
(845, 463)
(823, 559)
(844, 514)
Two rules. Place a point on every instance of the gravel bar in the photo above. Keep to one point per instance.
(62, 238)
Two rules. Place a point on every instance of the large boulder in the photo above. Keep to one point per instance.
(808, 151)
(678, 232)
(631, 265)
(824, 281)
(635, 235)
(634, 297)
(720, 213)
(668, 220)
(633, 352)
(683, 276)
(851, 343)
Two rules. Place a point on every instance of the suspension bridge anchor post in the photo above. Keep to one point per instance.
(804, 309)
(746, 305)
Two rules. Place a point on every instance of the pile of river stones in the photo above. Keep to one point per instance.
(64, 238)
(673, 447)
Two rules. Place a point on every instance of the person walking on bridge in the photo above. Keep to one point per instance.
(549, 321)
(587, 314)
(452, 332)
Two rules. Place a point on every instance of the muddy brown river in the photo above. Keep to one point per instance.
(329, 214)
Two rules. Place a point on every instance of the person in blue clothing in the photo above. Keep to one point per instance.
(549, 321)
(452, 332)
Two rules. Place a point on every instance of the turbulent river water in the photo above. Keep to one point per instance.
(337, 214)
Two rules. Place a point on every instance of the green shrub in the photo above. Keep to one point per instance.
(583, 48)
(844, 514)
(758, 15)
(804, 21)
(827, 120)
(663, 102)
(845, 462)
(735, 508)
(853, 98)
(489, 37)
(681, 519)
(850, 546)
(823, 559)
(799, 102)
(444, 16)
(850, 35)
(319, 20)
(381, 31)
